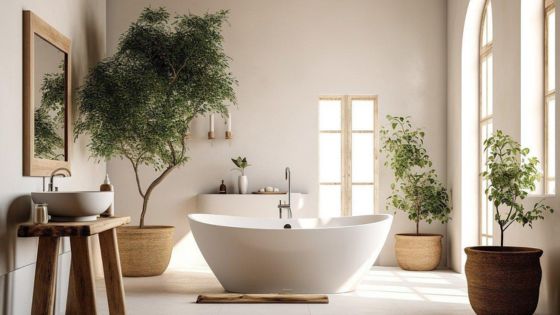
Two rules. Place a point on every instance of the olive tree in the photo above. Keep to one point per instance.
(138, 103)
(416, 190)
(511, 175)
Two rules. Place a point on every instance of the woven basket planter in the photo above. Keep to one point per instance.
(145, 252)
(418, 252)
(504, 280)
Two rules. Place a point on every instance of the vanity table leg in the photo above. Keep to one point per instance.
(72, 305)
(112, 271)
(45, 276)
(82, 272)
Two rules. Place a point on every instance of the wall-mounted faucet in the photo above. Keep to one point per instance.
(56, 173)
(287, 206)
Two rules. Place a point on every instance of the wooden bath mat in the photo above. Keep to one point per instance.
(263, 298)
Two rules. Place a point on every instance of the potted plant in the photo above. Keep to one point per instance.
(242, 181)
(416, 191)
(504, 279)
(138, 103)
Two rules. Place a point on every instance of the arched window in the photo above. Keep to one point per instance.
(485, 111)
(549, 97)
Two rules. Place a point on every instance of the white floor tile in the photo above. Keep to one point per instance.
(385, 290)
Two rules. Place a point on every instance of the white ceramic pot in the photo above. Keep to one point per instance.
(242, 183)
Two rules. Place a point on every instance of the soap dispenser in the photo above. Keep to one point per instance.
(223, 188)
(106, 186)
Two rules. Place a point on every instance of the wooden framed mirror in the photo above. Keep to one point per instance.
(47, 128)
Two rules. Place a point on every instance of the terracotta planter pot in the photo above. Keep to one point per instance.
(145, 252)
(418, 252)
(503, 280)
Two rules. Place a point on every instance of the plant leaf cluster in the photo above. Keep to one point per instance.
(417, 190)
(138, 103)
(511, 174)
(241, 164)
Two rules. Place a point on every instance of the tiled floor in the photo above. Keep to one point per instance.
(385, 290)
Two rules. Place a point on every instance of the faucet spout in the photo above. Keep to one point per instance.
(56, 173)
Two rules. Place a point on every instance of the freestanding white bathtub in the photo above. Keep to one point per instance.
(258, 255)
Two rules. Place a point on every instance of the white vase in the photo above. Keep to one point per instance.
(242, 184)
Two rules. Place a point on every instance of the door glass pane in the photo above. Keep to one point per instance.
(489, 22)
(490, 85)
(484, 30)
(330, 114)
(362, 157)
(551, 48)
(330, 157)
(551, 186)
(483, 202)
(485, 133)
(362, 199)
(551, 145)
(489, 218)
(483, 87)
(362, 114)
(329, 201)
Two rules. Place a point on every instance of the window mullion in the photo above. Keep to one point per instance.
(346, 156)
(376, 146)
(349, 155)
(343, 156)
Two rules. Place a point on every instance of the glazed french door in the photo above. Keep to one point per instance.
(348, 155)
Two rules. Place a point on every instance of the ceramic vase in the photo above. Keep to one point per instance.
(242, 183)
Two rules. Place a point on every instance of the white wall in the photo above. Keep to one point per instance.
(507, 117)
(285, 55)
(84, 22)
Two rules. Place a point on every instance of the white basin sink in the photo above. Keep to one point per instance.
(74, 205)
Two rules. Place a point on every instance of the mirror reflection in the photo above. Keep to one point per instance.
(49, 107)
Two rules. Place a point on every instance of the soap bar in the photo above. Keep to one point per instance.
(269, 189)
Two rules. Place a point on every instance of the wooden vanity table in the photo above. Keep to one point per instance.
(81, 287)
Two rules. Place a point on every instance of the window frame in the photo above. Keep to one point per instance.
(485, 51)
(346, 150)
(549, 7)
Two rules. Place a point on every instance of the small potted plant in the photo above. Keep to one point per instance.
(137, 104)
(242, 181)
(416, 191)
(504, 279)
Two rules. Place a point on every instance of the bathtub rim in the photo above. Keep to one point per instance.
(385, 217)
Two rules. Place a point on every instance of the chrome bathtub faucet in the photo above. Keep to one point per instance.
(287, 206)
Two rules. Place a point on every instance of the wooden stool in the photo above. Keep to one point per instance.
(81, 286)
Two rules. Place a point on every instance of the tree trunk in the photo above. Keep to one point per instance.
(417, 221)
(501, 236)
(145, 200)
(153, 185)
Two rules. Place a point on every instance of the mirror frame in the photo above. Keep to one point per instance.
(33, 25)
